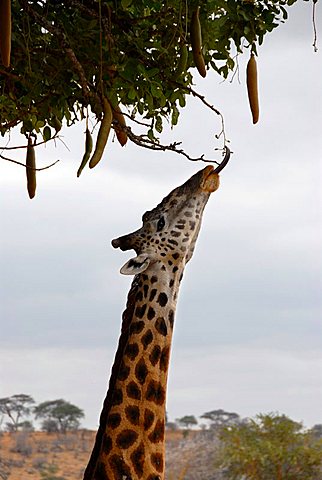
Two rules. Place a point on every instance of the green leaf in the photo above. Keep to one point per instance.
(126, 3)
(158, 124)
(46, 133)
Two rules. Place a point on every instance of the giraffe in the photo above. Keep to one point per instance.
(130, 442)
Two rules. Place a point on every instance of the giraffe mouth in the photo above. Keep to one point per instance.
(210, 181)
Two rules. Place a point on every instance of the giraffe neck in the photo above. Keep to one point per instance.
(130, 440)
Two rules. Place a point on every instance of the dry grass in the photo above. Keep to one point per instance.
(38, 455)
(42, 456)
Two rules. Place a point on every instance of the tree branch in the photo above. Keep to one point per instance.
(146, 142)
(25, 166)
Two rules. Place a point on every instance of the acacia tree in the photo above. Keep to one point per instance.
(270, 446)
(59, 415)
(220, 418)
(187, 421)
(73, 58)
(16, 408)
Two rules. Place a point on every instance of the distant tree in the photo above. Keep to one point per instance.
(171, 426)
(16, 408)
(25, 426)
(49, 425)
(59, 415)
(270, 447)
(317, 430)
(187, 421)
(220, 418)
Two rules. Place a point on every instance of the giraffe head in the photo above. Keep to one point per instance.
(169, 231)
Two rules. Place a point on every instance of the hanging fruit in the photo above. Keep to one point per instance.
(119, 126)
(103, 133)
(30, 169)
(252, 87)
(88, 151)
(196, 43)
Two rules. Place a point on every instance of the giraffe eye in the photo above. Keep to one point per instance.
(160, 224)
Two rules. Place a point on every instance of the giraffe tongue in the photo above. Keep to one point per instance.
(210, 181)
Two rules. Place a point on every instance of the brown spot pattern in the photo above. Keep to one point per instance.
(139, 296)
(155, 393)
(133, 391)
(119, 468)
(164, 358)
(152, 294)
(140, 311)
(148, 419)
(117, 397)
(132, 413)
(132, 350)
(147, 338)
(136, 327)
(123, 372)
(141, 371)
(113, 420)
(173, 242)
(171, 318)
(151, 313)
(162, 299)
(155, 355)
(137, 458)
(157, 434)
(161, 326)
(157, 461)
(126, 438)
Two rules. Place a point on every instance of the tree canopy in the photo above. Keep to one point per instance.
(270, 446)
(59, 415)
(220, 418)
(16, 408)
(68, 57)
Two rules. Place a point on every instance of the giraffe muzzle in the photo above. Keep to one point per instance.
(126, 242)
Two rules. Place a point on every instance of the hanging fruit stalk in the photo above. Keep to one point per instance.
(103, 134)
(119, 125)
(182, 63)
(252, 87)
(88, 151)
(196, 43)
(5, 31)
(30, 169)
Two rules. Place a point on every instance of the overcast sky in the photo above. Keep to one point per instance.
(248, 335)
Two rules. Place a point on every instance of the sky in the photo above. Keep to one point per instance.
(248, 335)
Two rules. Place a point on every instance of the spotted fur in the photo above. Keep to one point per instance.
(130, 440)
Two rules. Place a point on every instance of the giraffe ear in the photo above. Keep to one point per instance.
(136, 265)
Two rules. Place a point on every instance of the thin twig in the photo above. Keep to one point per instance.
(24, 165)
(55, 137)
(212, 107)
(135, 120)
(315, 38)
(10, 75)
(145, 142)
